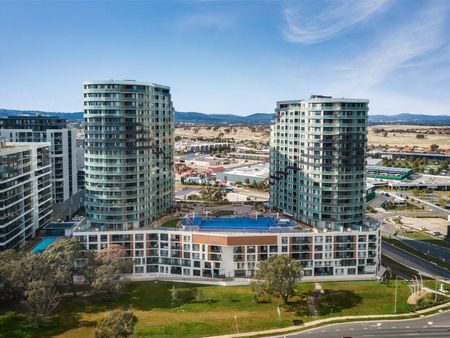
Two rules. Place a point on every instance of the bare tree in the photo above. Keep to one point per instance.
(41, 299)
(117, 324)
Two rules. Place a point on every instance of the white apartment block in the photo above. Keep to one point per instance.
(25, 191)
(63, 154)
(235, 253)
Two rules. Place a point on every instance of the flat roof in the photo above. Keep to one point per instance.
(125, 82)
(387, 169)
(373, 161)
(14, 147)
(369, 186)
(34, 117)
(325, 99)
(63, 225)
(255, 170)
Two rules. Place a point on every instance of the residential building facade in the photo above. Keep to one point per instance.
(129, 153)
(317, 161)
(317, 173)
(25, 191)
(63, 154)
(330, 255)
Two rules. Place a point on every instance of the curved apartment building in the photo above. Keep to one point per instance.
(129, 148)
(317, 161)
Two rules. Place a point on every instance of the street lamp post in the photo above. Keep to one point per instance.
(395, 294)
(237, 327)
(436, 289)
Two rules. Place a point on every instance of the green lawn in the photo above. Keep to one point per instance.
(157, 317)
(424, 237)
(431, 283)
(171, 223)
(408, 273)
(221, 213)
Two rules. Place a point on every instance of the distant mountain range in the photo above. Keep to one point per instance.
(265, 118)
(69, 116)
(260, 118)
(410, 118)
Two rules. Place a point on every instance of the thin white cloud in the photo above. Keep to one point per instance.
(424, 34)
(205, 20)
(307, 26)
(390, 103)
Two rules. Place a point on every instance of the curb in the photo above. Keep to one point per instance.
(420, 258)
(337, 320)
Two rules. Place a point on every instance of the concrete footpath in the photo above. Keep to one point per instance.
(325, 321)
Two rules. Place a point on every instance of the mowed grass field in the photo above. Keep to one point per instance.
(395, 138)
(399, 139)
(157, 317)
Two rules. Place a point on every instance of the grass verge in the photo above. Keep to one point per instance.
(221, 213)
(151, 303)
(171, 223)
(424, 237)
(413, 251)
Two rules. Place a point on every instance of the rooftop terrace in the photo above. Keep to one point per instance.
(235, 223)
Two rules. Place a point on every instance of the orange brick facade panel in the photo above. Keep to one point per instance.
(231, 241)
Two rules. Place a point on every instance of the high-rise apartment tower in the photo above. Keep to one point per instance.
(317, 161)
(129, 149)
(25, 191)
(63, 157)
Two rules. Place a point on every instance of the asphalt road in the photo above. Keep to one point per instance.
(434, 250)
(432, 326)
(389, 229)
(414, 262)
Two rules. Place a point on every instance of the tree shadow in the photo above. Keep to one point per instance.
(18, 323)
(233, 299)
(187, 295)
(299, 306)
(15, 325)
(334, 301)
(329, 302)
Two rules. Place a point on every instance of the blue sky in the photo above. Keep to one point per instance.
(229, 57)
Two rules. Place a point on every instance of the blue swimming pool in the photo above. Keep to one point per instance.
(43, 244)
(233, 223)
